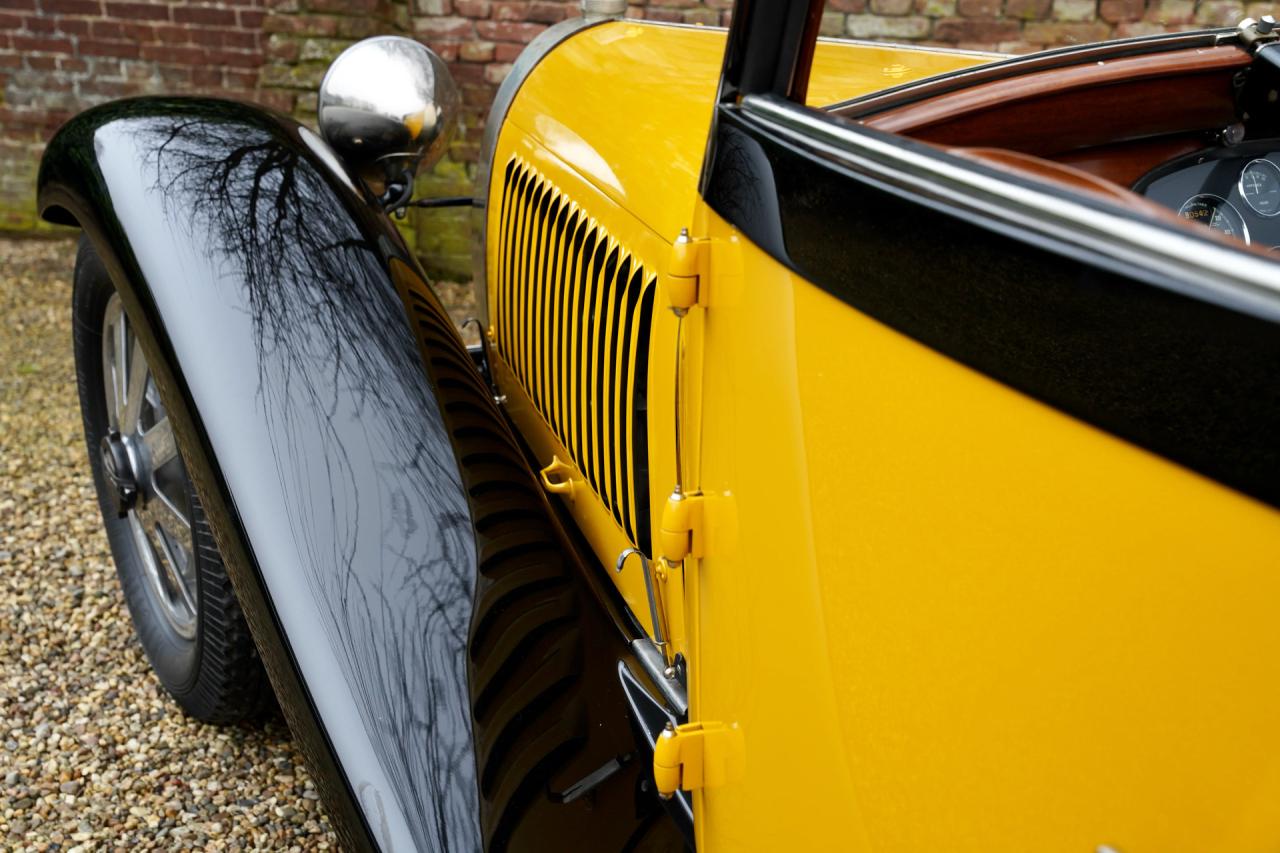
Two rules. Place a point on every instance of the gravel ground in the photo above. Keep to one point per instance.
(93, 754)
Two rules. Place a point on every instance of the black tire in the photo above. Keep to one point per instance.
(215, 674)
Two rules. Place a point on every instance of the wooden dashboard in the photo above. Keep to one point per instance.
(1115, 118)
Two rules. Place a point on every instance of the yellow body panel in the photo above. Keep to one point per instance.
(1016, 631)
(941, 615)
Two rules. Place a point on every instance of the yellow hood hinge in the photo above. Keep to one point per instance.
(687, 272)
(681, 533)
(697, 755)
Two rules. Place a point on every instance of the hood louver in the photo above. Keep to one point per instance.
(574, 311)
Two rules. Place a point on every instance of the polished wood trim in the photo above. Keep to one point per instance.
(1046, 170)
(1065, 109)
(1125, 162)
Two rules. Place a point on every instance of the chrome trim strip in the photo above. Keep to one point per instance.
(544, 43)
(1013, 66)
(1186, 263)
(655, 666)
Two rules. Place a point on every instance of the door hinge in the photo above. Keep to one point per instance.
(681, 535)
(696, 755)
(687, 272)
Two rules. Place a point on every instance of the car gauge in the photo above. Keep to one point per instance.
(1216, 212)
(1260, 187)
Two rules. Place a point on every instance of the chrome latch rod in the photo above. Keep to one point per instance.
(658, 635)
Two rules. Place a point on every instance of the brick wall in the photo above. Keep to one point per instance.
(60, 56)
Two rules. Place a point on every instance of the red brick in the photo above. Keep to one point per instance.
(106, 88)
(505, 10)
(36, 62)
(175, 76)
(668, 15)
(19, 5)
(706, 17)
(239, 40)
(975, 30)
(551, 13)
(857, 7)
(72, 64)
(891, 7)
(141, 11)
(477, 95)
(360, 28)
(1121, 10)
(251, 19)
(476, 51)
(117, 49)
(207, 76)
(235, 59)
(173, 34)
(473, 8)
(14, 22)
(238, 78)
(507, 31)
(342, 7)
(276, 100)
(42, 44)
(303, 25)
(107, 29)
(1065, 33)
(35, 24)
(205, 15)
(183, 54)
(285, 50)
(978, 8)
(443, 28)
(507, 52)
(71, 7)
(496, 72)
(73, 26)
(468, 73)
(1027, 9)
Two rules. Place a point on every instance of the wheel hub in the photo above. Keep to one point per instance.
(144, 475)
(117, 463)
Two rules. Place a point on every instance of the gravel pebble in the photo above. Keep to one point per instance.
(97, 757)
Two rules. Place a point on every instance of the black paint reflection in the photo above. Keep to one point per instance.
(436, 641)
(381, 523)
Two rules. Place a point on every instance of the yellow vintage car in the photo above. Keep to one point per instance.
(869, 447)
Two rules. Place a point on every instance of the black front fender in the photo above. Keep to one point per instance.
(259, 276)
(446, 660)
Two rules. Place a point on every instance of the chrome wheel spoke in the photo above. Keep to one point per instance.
(177, 565)
(114, 352)
(160, 444)
(160, 511)
(136, 385)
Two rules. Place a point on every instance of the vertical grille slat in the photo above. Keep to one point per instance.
(626, 380)
(613, 446)
(573, 309)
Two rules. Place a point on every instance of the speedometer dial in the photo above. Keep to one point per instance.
(1216, 212)
(1260, 187)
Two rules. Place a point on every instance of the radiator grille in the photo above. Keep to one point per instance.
(573, 315)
